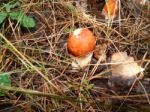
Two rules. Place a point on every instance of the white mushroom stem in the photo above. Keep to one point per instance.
(80, 62)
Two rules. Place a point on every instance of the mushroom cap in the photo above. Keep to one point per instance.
(110, 8)
(81, 42)
(124, 68)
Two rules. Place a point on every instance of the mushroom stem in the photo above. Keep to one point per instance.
(80, 62)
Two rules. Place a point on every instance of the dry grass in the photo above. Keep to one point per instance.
(42, 78)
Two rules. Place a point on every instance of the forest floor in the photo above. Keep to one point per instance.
(39, 66)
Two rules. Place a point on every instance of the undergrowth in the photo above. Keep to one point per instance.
(39, 66)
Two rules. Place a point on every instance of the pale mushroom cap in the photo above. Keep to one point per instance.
(124, 67)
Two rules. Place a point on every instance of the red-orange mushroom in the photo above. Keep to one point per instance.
(80, 45)
(110, 9)
(81, 42)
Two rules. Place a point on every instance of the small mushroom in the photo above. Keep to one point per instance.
(80, 45)
(124, 69)
(110, 9)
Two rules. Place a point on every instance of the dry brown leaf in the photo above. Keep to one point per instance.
(99, 52)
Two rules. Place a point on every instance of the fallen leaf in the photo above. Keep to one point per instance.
(99, 52)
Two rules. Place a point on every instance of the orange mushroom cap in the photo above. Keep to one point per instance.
(81, 42)
(110, 8)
